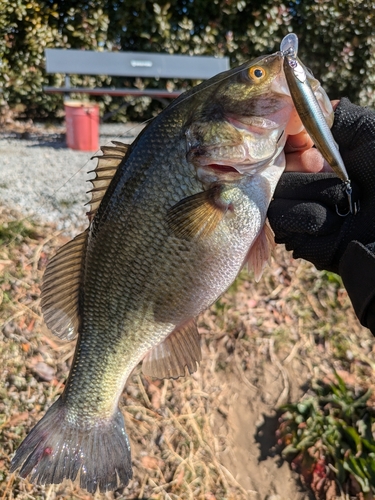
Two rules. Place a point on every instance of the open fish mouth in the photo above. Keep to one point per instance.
(222, 168)
(261, 140)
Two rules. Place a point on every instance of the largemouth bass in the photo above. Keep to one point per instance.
(174, 217)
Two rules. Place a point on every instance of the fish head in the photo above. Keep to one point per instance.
(238, 128)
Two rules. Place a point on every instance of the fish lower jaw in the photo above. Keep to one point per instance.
(211, 173)
(221, 165)
(216, 172)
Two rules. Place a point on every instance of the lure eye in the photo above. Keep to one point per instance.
(257, 73)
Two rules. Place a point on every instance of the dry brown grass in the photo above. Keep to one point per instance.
(265, 340)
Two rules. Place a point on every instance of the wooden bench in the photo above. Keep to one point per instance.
(129, 64)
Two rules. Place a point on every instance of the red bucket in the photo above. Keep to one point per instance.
(82, 125)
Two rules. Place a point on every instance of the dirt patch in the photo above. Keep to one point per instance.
(251, 452)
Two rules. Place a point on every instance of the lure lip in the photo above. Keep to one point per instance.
(289, 45)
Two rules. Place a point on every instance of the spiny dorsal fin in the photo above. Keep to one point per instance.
(60, 289)
(198, 215)
(179, 352)
(104, 172)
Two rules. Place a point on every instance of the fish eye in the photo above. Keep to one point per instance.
(257, 73)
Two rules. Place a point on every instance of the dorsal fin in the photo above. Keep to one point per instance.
(60, 289)
(104, 172)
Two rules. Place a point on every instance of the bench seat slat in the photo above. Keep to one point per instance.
(113, 91)
(136, 64)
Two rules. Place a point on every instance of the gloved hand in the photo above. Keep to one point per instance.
(303, 214)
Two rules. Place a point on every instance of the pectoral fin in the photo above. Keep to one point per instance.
(179, 352)
(260, 251)
(197, 216)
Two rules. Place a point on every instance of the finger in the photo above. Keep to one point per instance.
(291, 217)
(309, 160)
(294, 125)
(298, 142)
(327, 189)
(298, 138)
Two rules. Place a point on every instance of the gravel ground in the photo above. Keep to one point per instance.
(44, 180)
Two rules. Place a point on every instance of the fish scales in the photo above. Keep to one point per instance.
(184, 211)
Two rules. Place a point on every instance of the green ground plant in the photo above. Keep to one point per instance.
(329, 435)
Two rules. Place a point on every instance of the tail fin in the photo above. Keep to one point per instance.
(58, 448)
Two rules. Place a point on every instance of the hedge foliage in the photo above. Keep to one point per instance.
(337, 40)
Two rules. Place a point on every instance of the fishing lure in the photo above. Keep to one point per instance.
(311, 114)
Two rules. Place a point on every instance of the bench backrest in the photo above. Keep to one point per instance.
(140, 64)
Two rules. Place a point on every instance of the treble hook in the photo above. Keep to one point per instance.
(354, 207)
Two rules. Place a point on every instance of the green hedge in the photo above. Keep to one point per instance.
(336, 41)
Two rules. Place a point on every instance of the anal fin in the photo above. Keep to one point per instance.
(179, 352)
(260, 252)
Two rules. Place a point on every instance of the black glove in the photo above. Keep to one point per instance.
(304, 214)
